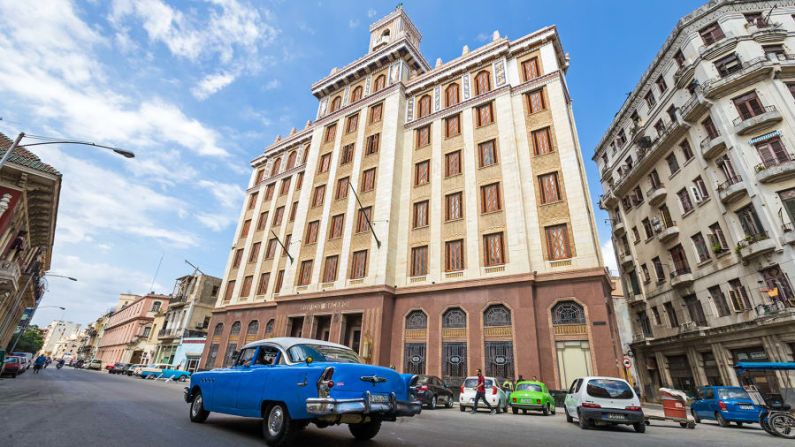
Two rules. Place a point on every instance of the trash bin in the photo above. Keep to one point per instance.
(674, 408)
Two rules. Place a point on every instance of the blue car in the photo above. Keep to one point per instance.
(290, 382)
(725, 404)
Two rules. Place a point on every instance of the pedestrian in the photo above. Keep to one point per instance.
(520, 379)
(39, 363)
(535, 379)
(480, 393)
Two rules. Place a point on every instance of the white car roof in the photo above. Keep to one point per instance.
(288, 342)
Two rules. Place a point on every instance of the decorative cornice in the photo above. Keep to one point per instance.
(287, 143)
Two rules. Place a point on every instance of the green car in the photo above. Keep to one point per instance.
(531, 395)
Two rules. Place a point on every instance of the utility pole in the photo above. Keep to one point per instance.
(11, 149)
(366, 217)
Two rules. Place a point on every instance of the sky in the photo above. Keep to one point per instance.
(197, 89)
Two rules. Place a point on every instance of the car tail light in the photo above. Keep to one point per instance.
(633, 408)
(494, 390)
(591, 405)
(538, 401)
(722, 405)
(462, 389)
(424, 388)
(325, 383)
(513, 399)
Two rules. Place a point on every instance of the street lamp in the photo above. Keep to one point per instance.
(123, 152)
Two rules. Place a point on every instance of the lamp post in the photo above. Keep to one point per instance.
(123, 152)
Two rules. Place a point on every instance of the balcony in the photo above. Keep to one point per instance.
(634, 298)
(619, 229)
(789, 234)
(768, 34)
(775, 170)
(770, 116)
(720, 46)
(681, 277)
(732, 189)
(711, 147)
(755, 245)
(10, 273)
(626, 260)
(696, 106)
(656, 195)
(684, 75)
(608, 200)
(749, 73)
(668, 233)
(642, 338)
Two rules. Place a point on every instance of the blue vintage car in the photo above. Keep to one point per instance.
(290, 382)
(725, 404)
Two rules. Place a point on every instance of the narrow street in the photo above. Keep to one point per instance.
(78, 408)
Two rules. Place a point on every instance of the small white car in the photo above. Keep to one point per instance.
(494, 394)
(604, 401)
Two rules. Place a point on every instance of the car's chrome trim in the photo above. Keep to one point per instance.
(323, 406)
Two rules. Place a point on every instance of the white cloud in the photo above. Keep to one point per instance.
(273, 84)
(353, 23)
(229, 195)
(211, 84)
(371, 13)
(609, 257)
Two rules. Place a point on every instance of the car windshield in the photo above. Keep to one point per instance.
(322, 353)
(609, 388)
(528, 387)
(733, 393)
(473, 382)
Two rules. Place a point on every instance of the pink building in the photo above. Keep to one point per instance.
(131, 332)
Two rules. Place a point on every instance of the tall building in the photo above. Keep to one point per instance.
(699, 181)
(29, 195)
(56, 332)
(436, 219)
(130, 333)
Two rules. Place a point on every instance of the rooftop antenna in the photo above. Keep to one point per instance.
(157, 270)
(195, 269)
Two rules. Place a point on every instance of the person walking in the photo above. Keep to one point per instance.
(480, 393)
(39, 363)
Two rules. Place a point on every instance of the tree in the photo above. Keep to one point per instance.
(31, 340)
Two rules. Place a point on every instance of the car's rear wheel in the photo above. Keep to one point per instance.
(739, 424)
(277, 427)
(695, 416)
(366, 431)
(585, 424)
(433, 403)
(462, 408)
(515, 410)
(197, 411)
(721, 420)
(545, 410)
(640, 427)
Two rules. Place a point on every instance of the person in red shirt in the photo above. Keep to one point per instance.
(480, 393)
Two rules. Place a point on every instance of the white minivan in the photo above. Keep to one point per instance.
(495, 396)
(604, 401)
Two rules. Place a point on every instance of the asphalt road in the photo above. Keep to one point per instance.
(81, 408)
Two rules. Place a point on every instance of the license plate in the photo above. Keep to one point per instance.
(527, 401)
(379, 398)
(615, 417)
(746, 407)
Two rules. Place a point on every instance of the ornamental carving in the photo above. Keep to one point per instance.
(497, 315)
(568, 312)
(454, 318)
(437, 98)
(416, 320)
(367, 84)
(499, 73)
(465, 84)
(410, 109)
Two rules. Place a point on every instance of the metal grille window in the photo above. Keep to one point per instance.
(499, 359)
(211, 356)
(454, 362)
(416, 320)
(568, 312)
(497, 315)
(218, 329)
(230, 351)
(454, 318)
(269, 327)
(414, 358)
(253, 327)
(235, 329)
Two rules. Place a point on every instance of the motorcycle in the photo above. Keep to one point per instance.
(59, 365)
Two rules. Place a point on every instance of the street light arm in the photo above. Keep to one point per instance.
(123, 152)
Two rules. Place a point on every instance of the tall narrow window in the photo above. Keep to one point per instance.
(422, 173)
(336, 226)
(271, 250)
(421, 214)
(325, 163)
(262, 286)
(530, 69)
(278, 216)
(451, 95)
(252, 201)
(336, 103)
(541, 142)
(487, 153)
(452, 126)
(424, 106)
(230, 287)
(558, 242)
(453, 207)
(661, 85)
(684, 200)
(419, 261)
(331, 131)
(277, 288)
(493, 250)
(454, 255)
(709, 127)
(357, 93)
(260, 176)
(285, 188)
(269, 191)
(720, 300)
(359, 264)
(252, 256)
(305, 277)
(376, 112)
(490, 198)
(311, 232)
(482, 82)
(373, 142)
(368, 180)
(275, 167)
(485, 114)
(347, 154)
(550, 191)
(711, 33)
(317, 196)
(748, 105)
(286, 244)
(263, 220)
(452, 164)
(535, 101)
(237, 258)
(772, 152)
(342, 189)
(352, 123)
(299, 181)
(423, 136)
(246, 227)
(246, 289)
(750, 223)
(673, 163)
(380, 83)
(293, 210)
(687, 152)
(700, 245)
(330, 269)
(361, 219)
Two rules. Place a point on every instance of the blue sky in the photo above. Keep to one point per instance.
(198, 88)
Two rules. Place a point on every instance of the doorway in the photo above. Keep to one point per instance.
(296, 326)
(322, 327)
(352, 331)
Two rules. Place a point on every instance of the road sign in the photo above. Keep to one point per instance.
(627, 362)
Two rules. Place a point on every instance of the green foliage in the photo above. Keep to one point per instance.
(31, 340)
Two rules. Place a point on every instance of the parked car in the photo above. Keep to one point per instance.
(532, 395)
(430, 391)
(13, 366)
(290, 382)
(165, 371)
(109, 366)
(27, 358)
(131, 367)
(725, 404)
(154, 370)
(604, 401)
(118, 368)
(495, 396)
(95, 364)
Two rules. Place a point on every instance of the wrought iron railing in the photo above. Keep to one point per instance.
(683, 270)
(765, 109)
(774, 162)
(731, 181)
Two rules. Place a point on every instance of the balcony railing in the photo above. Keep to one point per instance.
(731, 181)
(766, 109)
(774, 162)
(684, 270)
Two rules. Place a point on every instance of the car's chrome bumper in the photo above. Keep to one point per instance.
(323, 406)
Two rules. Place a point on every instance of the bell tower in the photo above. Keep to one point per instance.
(394, 26)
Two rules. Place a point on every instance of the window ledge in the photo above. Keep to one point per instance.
(704, 262)
(703, 201)
(421, 227)
(488, 166)
(552, 151)
(487, 213)
(673, 174)
(454, 175)
(553, 203)
(454, 220)
(723, 253)
(692, 210)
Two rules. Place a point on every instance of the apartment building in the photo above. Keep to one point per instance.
(130, 333)
(699, 182)
(435, 219)
(56, 332)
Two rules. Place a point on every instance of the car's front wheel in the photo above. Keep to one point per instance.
(277, 426)
(197, 411)
(365, 431)
(640, 427)
(433, 403)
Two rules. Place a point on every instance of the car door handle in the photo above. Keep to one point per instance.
(302, 383)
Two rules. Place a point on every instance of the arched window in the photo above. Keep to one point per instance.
(568, 312)
(385, 35)
(306, 154)
(424, 106)
(269, 327)
(218, 329)
(275, 167)
(253, 327)
(482, 83)
(356, 94)
(497, 315)
(380, 83)
(155, 306)
(235, 329)
(291, 160)
(336, 103)
(454, 318)
(416, 319)
(451, 95)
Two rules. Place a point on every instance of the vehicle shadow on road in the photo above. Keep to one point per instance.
(252, 428)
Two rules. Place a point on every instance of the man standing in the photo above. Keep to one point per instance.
(480, 393)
